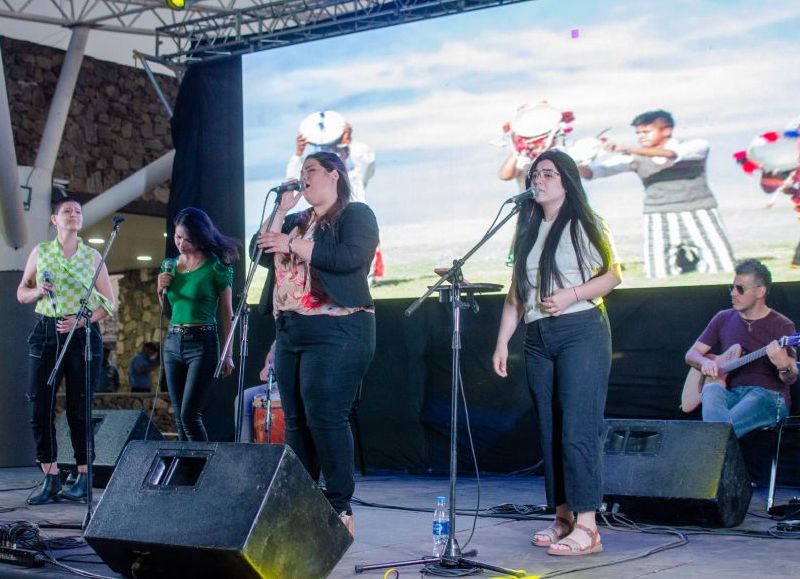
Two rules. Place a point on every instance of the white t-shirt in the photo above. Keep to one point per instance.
(567, 262)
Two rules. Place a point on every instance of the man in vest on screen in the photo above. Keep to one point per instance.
(683, 231)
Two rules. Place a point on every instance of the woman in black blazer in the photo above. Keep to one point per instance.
(325, 319)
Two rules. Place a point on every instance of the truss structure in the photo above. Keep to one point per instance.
(268, 25)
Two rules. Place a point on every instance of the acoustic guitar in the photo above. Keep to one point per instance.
(728, 361)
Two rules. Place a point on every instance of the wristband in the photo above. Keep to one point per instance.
(577, 299)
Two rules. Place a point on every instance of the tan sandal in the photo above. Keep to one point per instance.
(560, 528)
(569, 547)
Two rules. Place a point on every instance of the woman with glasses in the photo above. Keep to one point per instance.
(564, 265)
(56, 276)
(197, 285)
(325, 321)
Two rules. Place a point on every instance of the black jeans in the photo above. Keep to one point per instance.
(43, 346)
(320, 362)
(567, 363)
(190, 357)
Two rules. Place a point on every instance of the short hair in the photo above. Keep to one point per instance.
(152, 346)
(650, 117)
(56, 205)
(758, 270)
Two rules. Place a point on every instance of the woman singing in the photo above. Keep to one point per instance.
(56, 277)
(197, 287)
(564, 264)
(325, 322)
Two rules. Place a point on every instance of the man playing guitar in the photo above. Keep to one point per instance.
(756, 395)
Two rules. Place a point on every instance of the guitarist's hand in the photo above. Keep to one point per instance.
(778, 355)
(710, 368)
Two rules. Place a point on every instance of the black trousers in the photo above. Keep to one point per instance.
(320, 362)
(44, 345)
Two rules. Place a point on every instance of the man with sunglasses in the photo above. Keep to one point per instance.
(757, 394)
(683, 231)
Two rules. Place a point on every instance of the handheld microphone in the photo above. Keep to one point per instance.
(169, 265)
(117, 219)
(524, 196)
(47, 277)
(290, 186)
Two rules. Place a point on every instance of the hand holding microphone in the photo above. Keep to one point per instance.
(166, 276)
(46, 287)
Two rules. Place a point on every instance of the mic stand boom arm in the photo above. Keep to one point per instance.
(242, 312)
(86, 315)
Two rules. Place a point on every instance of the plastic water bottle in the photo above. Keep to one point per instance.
(441, 527)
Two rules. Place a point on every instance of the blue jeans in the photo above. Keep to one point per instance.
(746, 408)
(44, 343)
(189, 362)
(567, 364)
(320, 362)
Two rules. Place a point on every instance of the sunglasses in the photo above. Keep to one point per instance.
(740, 289)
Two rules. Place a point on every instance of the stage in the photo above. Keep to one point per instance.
(389, 528)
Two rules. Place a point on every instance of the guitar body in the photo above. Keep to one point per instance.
(693, 386)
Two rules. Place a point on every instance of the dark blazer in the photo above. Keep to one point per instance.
(341, 258)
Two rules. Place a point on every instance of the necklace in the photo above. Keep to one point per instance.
(187, 269)
(749, 323)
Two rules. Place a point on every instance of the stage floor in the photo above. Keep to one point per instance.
(383, 534)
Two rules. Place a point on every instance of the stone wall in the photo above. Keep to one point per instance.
(116, 123)
(137, 318)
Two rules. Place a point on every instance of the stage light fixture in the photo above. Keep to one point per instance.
(176, 4)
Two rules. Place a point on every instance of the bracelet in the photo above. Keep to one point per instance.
(785, 370)
(577, 299)
(289, 245)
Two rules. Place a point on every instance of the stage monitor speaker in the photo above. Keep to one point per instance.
(113, 429)
(676, 472)
(199, 509)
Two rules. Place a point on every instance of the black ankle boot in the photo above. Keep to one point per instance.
(77, 492)
(50, 489)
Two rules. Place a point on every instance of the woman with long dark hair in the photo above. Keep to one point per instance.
(197, 287)
(55, 278)
(564, 265)
(324, 318)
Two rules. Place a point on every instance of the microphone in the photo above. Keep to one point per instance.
(117, 219)
(524, 196)
(47, 277)
(168, 266)
(290, 186)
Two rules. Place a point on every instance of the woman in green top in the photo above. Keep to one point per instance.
(55, 279)
(197, 284)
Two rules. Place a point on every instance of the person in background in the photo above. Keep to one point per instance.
(246, 433)
(109, 375)
(683, 231)
(564, 265)
(55, 278)
(325, 319)
(199, 293)
(142, 364)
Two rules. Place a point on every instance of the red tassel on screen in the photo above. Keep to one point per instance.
(740, 156)
(377, 270)
(749, 167)
(770, 137)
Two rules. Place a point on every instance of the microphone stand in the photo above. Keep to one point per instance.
(451, 557)
(86, 315)
(243, 313)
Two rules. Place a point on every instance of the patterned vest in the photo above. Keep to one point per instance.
(70, 278)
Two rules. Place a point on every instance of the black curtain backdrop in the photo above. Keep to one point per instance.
(405, 407)
(208, 173)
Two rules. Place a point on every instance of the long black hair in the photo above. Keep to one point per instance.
(330, 162)
(206, 237)
(574, 212)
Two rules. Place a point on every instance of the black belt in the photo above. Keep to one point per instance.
(201, 329)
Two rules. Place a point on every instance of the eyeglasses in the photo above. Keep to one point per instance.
(546, 174)
(740, 289)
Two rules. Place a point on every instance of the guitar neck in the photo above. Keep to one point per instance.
(746, 359)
